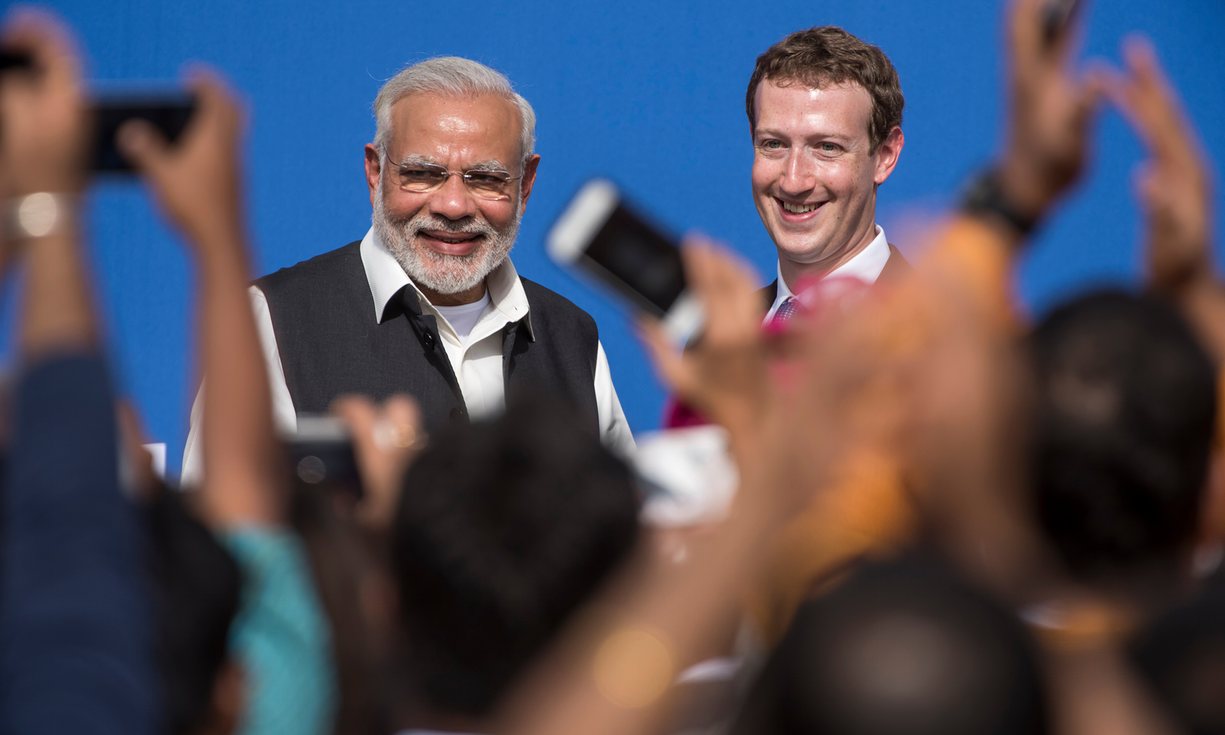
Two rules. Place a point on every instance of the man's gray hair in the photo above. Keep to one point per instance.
(454, 76)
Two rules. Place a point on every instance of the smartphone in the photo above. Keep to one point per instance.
(1057, 16)
(169, 112)
(600, 234)
(321, 454)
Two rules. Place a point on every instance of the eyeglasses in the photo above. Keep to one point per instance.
(422, 178)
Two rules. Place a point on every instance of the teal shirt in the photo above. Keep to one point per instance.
(281, 637)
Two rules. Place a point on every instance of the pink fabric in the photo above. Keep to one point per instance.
(813, 298)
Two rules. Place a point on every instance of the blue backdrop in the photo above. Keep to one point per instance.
(650, 93)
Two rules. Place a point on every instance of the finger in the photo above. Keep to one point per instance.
(214, 98)
(734, 290)
(1140, 97)
(694, 256)
(1024, 35)
(1157, 104)
(144, 146)
(699, 280)
(359, 414)
(1158, 196)
(732, 274)
(668, 360)
(402, 414)
(1068, 40)
(47, 40)
(725, 286)
(1091, 88)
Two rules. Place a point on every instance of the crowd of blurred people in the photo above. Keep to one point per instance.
(1046, 501)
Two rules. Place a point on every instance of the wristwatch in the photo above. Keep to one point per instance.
(37, 215)
(984, 195)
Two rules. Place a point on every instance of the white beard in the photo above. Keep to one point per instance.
(444, 274)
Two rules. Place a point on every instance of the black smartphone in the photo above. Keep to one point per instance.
(602, 235)
(169, 112)
(321, 454)
(1057, 16)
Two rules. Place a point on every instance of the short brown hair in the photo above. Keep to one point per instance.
(829, 55)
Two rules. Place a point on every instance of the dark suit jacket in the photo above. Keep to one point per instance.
(76, 650)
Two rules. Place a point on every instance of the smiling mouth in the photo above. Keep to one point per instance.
(452, 243)
(451, 237)
(799, 209)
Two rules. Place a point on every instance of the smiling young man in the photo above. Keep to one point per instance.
(825, 113)
(428, 302)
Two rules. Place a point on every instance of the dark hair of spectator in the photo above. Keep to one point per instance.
(504, 529)
(197, 587)
(900, 648)
(1125, 417)
(828, 55)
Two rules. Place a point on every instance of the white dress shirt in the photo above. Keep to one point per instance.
(866, 266)
(476, 357)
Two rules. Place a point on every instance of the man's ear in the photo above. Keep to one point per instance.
(529, 176)
(374, 169)
(887, 154)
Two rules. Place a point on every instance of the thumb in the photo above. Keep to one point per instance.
(668, 360)
(143, 146)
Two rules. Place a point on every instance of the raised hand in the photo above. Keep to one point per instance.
(197, 181)
(1173, 185)
(386, 437)
(45, 129)
(724, 374)
(1050, 112)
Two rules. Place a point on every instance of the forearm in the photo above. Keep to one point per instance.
(240, 452)
(59, 314)
(615, 667)
(972, 258)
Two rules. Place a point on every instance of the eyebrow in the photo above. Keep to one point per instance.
(417, 159)
(492, 165)
(766, 132)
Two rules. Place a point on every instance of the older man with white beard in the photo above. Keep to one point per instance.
(428, 303)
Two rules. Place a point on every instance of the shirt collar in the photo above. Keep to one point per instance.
(866, 266)
(387, 278)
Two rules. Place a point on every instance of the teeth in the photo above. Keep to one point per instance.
(798, 208)
(454, 238)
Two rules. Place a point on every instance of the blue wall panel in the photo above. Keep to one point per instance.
(649, 93)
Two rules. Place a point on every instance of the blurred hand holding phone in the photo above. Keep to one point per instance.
(167, 110)
(601, 235)
(321, 454)
(688, 475)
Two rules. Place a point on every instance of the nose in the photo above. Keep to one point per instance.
(452, 200)
(799, 174)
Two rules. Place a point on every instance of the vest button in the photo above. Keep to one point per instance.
(458, 413)
(428, 338)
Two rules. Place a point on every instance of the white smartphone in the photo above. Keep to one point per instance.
(601, 235)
